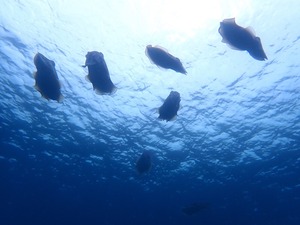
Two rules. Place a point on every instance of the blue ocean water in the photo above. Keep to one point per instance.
(234, 146)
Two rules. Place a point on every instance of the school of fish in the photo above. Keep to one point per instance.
(48, 84)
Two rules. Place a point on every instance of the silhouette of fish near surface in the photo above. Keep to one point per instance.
(240, 38)
(46, 79)
(168, 111)
(195, 208)
(98, 73)
(162, 58)
(144, 163)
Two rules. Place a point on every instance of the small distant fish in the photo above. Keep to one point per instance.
(195, 208)
(46, 79)
(162, 58)
(98, 73)
(168, 111)
(240, 38)
(144, 162)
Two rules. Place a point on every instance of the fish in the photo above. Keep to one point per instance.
(243, 39)
(46, 79)
(168, 111)
(162, 58)
(98, 73)
(144, 163)
(194, 208)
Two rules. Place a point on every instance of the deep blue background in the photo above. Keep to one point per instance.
(48, 192)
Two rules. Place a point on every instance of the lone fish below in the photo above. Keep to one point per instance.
(144, 162)
(194, 208)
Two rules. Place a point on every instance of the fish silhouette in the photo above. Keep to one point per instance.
(194, 208)
(162, 58)
(46, 79)
(168, 111)
(98, 73)
(144, 162)
(240, 38)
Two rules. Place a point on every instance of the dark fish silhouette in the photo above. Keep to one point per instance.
(144, 163)
(163, 59)
(98, 73)
(195, 208)
(240, 38)
(46, 79)
(168, 111)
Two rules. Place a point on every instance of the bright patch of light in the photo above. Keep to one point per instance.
(185, 17)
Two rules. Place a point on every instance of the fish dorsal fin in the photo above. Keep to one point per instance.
(147, 54)
(37, 87)
(87, 78)
(251, 31)
(114, 90)
(229, 21)
(98, 92)
(52, 63)
(61, 98)
(173, 118)
(162, 48)
(61, 84)
(221, 31)
(224, 39)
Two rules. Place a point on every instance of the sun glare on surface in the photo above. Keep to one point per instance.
(182, 15)
(185, 17)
